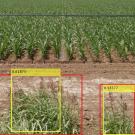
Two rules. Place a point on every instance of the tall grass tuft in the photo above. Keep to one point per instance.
(39, 112)
(117, 120)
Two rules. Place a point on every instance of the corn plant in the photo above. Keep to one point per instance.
(56, 37)
(44, 46)
(17, 46)
(31, 44)
(69, 37)
(4, 47)
(80, 43)
(69, 48)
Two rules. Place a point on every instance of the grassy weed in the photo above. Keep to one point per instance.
(39, 112)
(117, 120)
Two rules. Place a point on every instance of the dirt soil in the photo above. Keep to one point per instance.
(93, 75)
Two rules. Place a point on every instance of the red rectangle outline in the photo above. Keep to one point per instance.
(100, 107)
(81, 104)
(5, 75)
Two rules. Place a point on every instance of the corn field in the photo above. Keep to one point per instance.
(78, 35)
(68, 6)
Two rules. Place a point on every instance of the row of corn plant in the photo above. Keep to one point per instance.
(19, 34)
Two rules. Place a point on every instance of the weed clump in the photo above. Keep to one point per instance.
(117, 120)
(39, 112)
